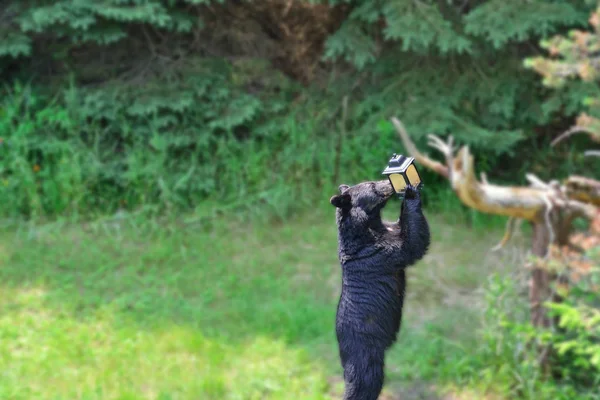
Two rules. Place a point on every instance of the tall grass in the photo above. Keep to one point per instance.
(76, 155)
(57, 160)
(59, 156)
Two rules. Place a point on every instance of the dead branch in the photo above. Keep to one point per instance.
(412, 150)
(532, 203)
(585, 190)
(518, 202)
(568, 133)
(511, 225)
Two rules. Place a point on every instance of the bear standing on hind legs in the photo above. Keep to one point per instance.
(373, 254)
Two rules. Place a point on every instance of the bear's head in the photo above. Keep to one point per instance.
(363, 202)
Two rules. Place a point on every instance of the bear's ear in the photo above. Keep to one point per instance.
(343, 188)
(341, 201)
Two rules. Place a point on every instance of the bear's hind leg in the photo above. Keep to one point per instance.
(363, 374)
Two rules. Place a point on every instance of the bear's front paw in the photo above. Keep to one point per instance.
(411, 193)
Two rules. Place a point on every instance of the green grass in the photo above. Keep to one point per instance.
(128, 310)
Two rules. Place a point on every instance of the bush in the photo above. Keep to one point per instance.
(509, 356)
(84, 151)
(172, 104)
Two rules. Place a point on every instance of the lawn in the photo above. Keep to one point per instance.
(128, 310)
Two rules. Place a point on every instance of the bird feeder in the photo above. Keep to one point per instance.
(401, 171)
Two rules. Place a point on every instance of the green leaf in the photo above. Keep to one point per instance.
(352, 44)
(501, 21)
(14, 44)
(564, 347)
(420, 25)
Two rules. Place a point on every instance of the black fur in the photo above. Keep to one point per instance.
(373, 254)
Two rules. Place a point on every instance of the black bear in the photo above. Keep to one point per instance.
(373, 254)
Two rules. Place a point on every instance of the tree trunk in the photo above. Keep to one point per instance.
(540, 289)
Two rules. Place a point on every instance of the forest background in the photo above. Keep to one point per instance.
(213, 134)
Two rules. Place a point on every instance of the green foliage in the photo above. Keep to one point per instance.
(15, 45)
(581, 343)
(421, 25)
(353, 44)
(527, 18)
(431, 65)
(90, 149)
(509, 360)
(101, 22)
(577, 339)
(175, 103)
(574, 56)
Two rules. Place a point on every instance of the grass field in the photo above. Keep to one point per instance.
(128, 310)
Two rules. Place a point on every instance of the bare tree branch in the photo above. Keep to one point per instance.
(570, 132)
(585, 190)
(533, 203)
(412, 149)
(508, 233)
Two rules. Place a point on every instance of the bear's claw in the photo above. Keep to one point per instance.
(411, 192)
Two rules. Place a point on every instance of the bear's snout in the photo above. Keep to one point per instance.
(385, 188)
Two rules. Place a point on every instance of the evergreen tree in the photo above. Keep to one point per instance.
(576, 55)
(161, 93)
